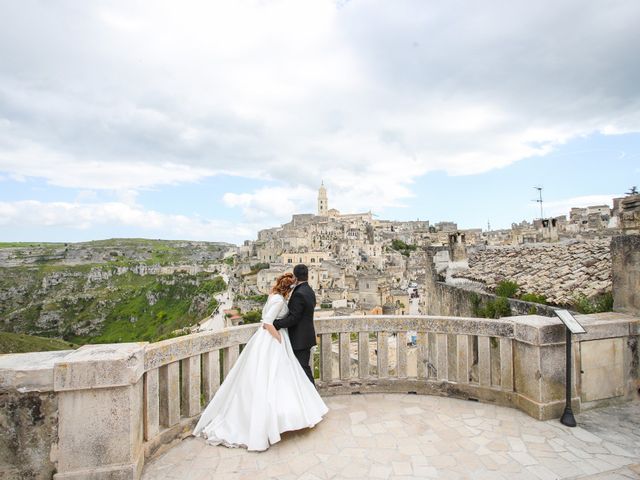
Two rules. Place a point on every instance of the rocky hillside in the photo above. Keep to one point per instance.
(561, 272)
(108, 291)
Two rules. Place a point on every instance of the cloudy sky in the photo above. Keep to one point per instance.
(210, 120)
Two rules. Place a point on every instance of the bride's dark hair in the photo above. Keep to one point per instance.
(283, 284)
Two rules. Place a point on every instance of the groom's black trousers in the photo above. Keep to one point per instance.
(303, 357)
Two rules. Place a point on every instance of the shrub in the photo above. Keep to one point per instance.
(597, 304)
(534, 298)
(402, 247)
(507, 288)
(492, 309)
(254, 316)
(501, 307)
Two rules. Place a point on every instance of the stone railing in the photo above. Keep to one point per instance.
(463, 357)
(98, 412)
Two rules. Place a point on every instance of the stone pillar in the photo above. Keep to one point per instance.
(100, 408)
(539, 366)
(625, 269)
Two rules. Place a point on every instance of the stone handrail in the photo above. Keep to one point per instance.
(453, 356)
(110, 407)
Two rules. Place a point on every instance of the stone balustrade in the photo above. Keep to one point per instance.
(98, 412)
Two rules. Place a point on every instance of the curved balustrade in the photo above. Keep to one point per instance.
(465, 357)
(110, 407)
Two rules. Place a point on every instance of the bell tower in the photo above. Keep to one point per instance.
(323, 205)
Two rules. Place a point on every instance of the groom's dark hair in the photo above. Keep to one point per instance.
(301, 272)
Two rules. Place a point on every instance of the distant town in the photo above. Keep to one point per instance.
(361, 264)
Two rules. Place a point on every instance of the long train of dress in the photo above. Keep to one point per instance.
(265, 393)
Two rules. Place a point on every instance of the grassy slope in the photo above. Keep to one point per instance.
(123, 302)
(20, 343)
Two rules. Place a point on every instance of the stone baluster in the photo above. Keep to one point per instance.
(442, 356)
(506, 364)
(210, 374)
(484, 361)
(151, 404)
(345, 355)
(422, 367)
(363, 354)
(229, 357)
(169, 394)
(383, 354)
(462, 358)
(326, 363)
(190, 386)
(401, 365)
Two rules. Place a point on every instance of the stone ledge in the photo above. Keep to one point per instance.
(100, 366)
(175, 349)
(538, 330)
(427, 323)
(29, 372)
(608, 325)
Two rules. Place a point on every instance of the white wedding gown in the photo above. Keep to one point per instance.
(265, 393)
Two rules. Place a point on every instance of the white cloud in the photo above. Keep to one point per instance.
(84, 216)
(272, 202)
(367, 95)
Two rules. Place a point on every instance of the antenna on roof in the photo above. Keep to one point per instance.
(539, 200)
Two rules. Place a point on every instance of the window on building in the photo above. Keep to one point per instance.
(313, 260)
(289, 261)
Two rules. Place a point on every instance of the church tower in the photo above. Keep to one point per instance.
(323, 204)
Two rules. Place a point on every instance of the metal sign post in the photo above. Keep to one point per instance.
(572, 327)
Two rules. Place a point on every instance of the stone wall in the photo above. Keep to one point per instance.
(443, 299)
(28, 430)
(28, 415)
(625, 256)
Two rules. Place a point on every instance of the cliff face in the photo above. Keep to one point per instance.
(107, 291)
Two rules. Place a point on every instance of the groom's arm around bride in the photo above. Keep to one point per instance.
(299, 321)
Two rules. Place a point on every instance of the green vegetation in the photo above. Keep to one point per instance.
(534, 298)
(598, 304)
(29, 244)
(105, 291)
(497, 308)
(149, 310)
(257, 267)
(402, 247)
(507, 288)
(21, 343)
(253, 316)
(253, 298)
(229, 261)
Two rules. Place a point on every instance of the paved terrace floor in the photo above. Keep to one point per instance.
(410, 436)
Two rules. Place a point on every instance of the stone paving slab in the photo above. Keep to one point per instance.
(392, 436)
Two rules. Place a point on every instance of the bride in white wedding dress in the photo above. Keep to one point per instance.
(266, 392)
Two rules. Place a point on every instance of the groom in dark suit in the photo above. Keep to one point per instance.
(299, 321)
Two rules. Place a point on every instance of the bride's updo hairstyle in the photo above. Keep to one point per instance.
(283, 284)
